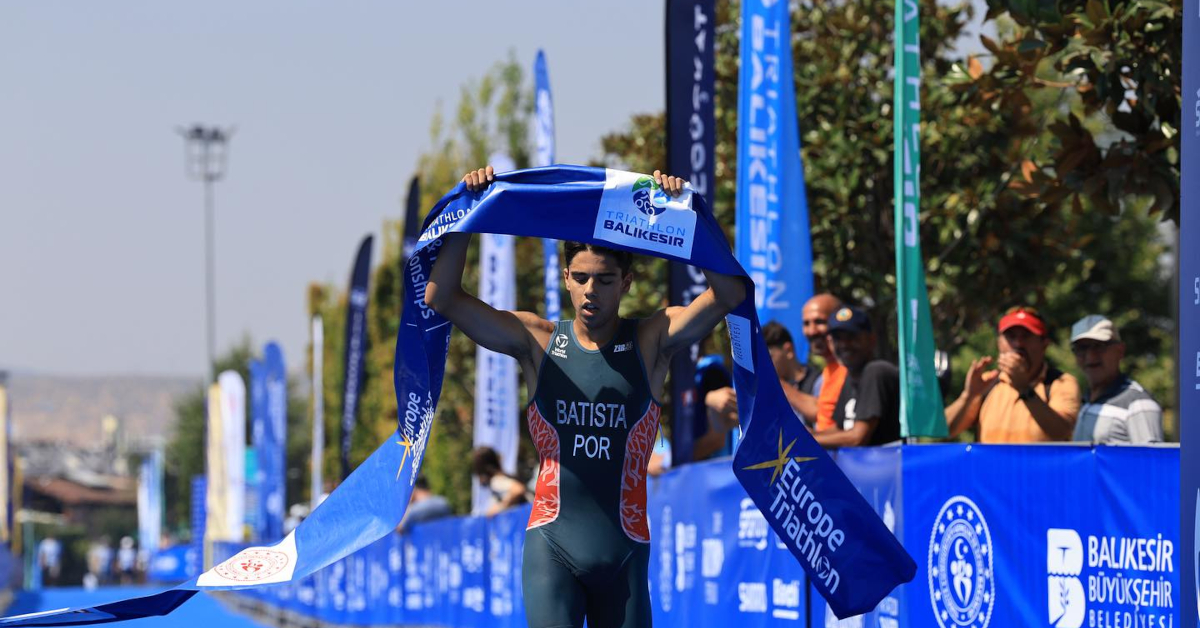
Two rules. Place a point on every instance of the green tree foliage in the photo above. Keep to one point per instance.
(1120, 59)
(185, 454)
(492, 115)
(1073, 236)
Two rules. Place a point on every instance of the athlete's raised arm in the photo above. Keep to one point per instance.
(674, 328)
(519, 334)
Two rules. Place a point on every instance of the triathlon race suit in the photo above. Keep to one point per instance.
(593, 420)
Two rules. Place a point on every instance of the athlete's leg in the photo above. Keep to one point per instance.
(554, 597)
(624, 601)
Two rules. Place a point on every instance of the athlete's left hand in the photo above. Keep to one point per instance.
(672, 185)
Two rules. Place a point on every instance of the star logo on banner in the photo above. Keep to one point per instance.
(407, 448)
(778, 463)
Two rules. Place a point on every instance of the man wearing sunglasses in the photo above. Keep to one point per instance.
(1118, 409)
(1025, 399)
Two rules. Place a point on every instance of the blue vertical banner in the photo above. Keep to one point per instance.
(772, 208)
(412, 219)
(543, 124)
(150, 503)
(271, 445)
(199, 511)
(355, 347)
(1189, 318)
(691, 142)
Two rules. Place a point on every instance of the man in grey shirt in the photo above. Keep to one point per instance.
(1118, 409)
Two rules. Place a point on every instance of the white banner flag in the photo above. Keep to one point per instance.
(496, 409)
(233, 424)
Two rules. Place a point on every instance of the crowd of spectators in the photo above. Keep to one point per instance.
(846, 396)
(850, 397)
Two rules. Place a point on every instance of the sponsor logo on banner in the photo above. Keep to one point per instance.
(254, 565)
(961, 580)
(785, 596)
(666, 560)
(685, 555)
(1064, 564)
(1109, 580)
(752, 526)
(636, 212)
(712, 557)
(752, 597)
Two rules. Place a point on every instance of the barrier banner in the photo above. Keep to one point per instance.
(691, 143)
(1042, 536)
(543, 125)
(271, 445)
(175, 563)
(715, 561)
(1007, 557)
(233, 421)
(1188, 324)
(773, 242)
(921, 412)
(355, 347)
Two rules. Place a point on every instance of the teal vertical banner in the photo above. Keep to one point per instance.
(921, 412)
(1189, 318)
(772, 243)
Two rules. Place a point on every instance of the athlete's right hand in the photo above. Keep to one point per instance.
(479, 180)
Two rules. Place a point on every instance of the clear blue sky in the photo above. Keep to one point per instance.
(101, 233)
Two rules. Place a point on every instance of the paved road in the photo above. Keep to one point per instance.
(202, 611)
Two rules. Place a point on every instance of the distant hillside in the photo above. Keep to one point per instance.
(69, 408)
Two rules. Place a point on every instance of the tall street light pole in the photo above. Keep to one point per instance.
(206, 151)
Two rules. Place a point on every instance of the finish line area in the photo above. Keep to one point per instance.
(1003, 535)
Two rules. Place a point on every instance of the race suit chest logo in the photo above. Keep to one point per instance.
(636, 212)
(961, 580)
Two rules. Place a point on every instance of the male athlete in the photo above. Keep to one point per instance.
(593, 416)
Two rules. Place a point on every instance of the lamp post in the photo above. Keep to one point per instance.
(206, 151)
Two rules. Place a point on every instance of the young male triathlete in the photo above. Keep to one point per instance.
(593, 416)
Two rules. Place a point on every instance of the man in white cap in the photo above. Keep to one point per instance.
(1118, 409)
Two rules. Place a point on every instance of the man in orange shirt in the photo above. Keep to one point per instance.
(816, 315)
(1026, 399)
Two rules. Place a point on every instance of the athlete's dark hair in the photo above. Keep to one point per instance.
(775, 334)
(571, 249)
(485, 461)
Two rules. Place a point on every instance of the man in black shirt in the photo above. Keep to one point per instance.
(868, 410)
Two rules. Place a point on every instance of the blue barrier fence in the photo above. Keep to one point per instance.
(1003, 535)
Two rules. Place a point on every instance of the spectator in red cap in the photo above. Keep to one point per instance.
(1025, 399)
